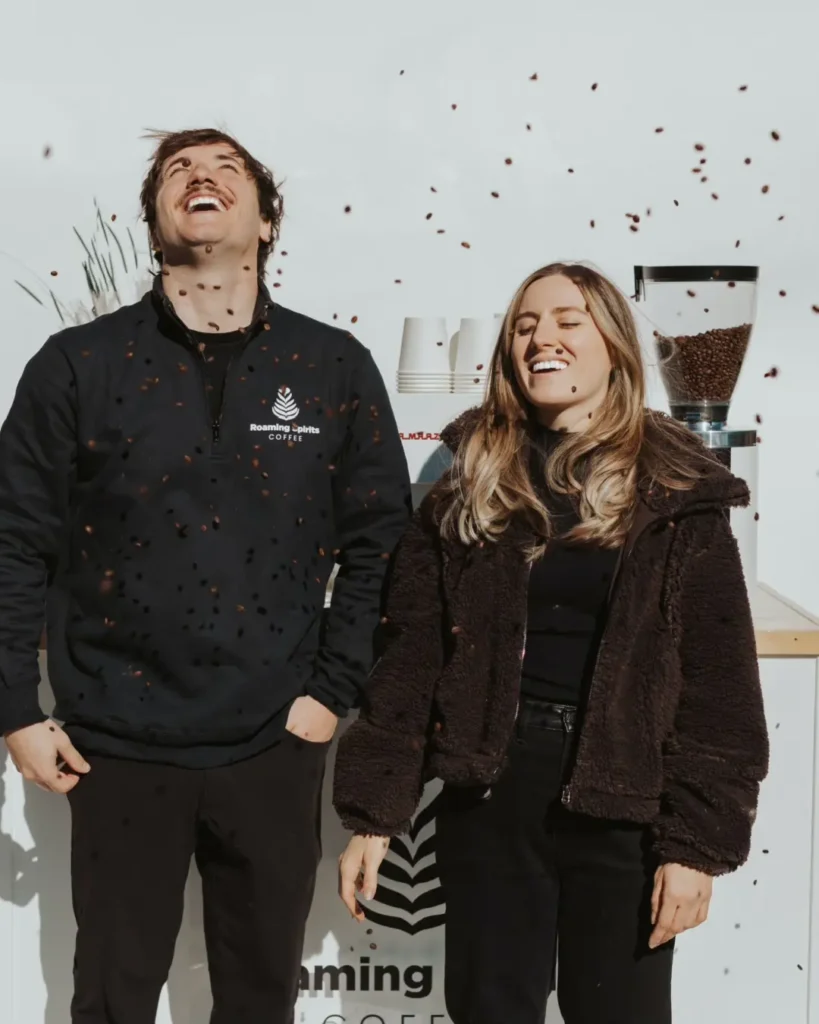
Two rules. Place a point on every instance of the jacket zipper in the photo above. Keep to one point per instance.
(215, 425)
(523, 648)
(496, 772)
(566, 793)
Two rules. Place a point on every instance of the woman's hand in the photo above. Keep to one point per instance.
(358, 870)
(680, 901)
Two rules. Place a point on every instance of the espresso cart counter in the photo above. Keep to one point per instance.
(756, 960)
(782, 630)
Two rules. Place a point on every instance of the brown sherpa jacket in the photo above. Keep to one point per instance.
(673, 731)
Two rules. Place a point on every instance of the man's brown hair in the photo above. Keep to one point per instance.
(271, 203)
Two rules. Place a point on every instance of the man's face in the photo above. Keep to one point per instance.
(206, 197)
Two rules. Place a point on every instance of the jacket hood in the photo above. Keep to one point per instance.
(717, 486)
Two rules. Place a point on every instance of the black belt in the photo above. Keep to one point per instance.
(543, 714)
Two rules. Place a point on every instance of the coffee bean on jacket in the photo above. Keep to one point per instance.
(703, 367)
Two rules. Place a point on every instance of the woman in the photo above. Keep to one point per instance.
(569, 646)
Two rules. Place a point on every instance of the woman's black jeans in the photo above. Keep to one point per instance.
(527, 881)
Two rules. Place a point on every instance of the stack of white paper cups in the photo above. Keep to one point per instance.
(477, 338)
(423, 365)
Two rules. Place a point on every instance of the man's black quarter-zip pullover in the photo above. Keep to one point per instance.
(183, 557)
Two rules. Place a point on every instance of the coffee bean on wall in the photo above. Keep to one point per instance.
(703, 367)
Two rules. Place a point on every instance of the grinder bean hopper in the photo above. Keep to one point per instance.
(702, 318)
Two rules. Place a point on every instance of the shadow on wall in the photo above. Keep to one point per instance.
(431, 471)
(43, 872)
(436, 464)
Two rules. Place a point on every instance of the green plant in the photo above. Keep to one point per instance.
(104, 252)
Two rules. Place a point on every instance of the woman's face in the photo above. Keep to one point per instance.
(561, 360)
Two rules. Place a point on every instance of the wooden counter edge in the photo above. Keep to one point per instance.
(793, 633)
(797, 637)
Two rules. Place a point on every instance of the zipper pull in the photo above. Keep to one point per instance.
(216, 433)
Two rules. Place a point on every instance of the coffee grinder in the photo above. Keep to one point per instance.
(702, 318)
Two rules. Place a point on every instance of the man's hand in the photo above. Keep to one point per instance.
(311, 720)
(680, 901)
(41, 752)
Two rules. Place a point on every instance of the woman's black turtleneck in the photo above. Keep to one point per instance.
(568, 591)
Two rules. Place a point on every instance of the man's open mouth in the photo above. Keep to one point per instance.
(548, 366)
(202, 202)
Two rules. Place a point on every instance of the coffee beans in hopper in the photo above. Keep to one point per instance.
(703, 367)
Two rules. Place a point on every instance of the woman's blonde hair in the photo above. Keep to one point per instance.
(491, 479)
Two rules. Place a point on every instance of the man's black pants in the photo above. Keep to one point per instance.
(524, 878)
(253, 828)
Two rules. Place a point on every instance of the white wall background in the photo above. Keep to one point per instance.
(315, 89)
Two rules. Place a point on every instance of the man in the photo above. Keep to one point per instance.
(177, 481)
